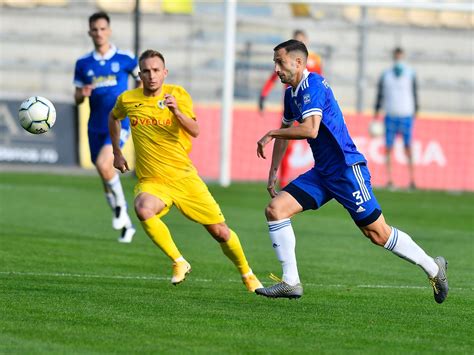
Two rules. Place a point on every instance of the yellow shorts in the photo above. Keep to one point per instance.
(190, 195)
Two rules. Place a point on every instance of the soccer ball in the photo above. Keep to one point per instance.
(37, 114)
(376, 128)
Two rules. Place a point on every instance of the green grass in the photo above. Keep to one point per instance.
(67, 286)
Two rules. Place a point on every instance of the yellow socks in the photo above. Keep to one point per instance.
(161, 236)
(233, 250)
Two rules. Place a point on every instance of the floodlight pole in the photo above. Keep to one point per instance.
(136, 20)
(362, 60)
(227, 93)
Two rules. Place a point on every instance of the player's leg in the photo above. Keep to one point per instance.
(102, 157)
(302, 194)
(231, 247)
(402, 245)
(149, 209)
(355, 193)
(195, 201)
(390, 132)
(407, 133)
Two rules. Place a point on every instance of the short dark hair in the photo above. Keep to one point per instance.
(398, 50)
(97, 16)
(299, 33)
(150, 53)
(292, 45)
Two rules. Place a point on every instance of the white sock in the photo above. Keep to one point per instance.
(115, 187)
(402, 245)
(109, 196)
(284, 243)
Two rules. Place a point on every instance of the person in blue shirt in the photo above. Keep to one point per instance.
(340, 172)
(102, 75)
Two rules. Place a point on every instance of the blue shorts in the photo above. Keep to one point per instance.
(400, 125)
(352, 189)
(98, 140)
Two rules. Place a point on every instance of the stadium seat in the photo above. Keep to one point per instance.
(390, 16)
(456, 19)
(177, 7)
(54, 3)
(351, 13)
(300, 9)
(20, 3)
(423, 18)
(124, 6)
(150, 6)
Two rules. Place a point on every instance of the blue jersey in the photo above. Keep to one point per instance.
(333, 149)
(109, 76)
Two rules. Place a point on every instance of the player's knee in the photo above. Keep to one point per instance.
(375, 236)
(220, 232)
(143, 211)
(273, 212)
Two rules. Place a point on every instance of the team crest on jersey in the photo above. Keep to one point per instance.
(115, 66)
(306, 99)
(90, 72)
(161, 104)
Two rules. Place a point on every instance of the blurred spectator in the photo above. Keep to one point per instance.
(397, 96)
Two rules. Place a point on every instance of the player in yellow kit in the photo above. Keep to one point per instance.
(163, 122)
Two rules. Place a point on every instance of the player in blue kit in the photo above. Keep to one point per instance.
(102, 75)
(340, 172)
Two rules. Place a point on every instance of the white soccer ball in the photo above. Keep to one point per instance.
(376, 128)
(37, 114)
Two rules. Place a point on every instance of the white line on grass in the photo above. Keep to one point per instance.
(163, 278)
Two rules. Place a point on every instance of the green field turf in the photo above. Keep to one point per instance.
(67, 286)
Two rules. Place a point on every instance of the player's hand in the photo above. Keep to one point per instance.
(171, 103)
(120, 163)
(271, 185)
(261, 145)
(87, 90)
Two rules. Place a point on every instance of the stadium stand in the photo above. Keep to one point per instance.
(193, 44)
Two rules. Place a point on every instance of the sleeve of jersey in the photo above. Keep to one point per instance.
(119, 110)
(185, 102)
(313, 98)
(288, 118)
(133, 68)
(78, 77)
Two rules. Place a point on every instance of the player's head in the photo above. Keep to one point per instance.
(99, 28)
(398, 54)
(290, 61)
(301, 36)
(152, 70)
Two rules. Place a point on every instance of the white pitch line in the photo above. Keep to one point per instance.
(163, 278)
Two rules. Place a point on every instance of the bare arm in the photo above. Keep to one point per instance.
(308, 129)
(189, 125)
(115, 127)
(81, 93)
(279, 149)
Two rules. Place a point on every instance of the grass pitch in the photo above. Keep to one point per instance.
(67, 286)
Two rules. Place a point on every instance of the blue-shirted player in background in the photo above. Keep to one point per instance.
(340, 172)
(102, 75)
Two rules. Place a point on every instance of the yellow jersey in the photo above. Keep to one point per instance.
(162, 146)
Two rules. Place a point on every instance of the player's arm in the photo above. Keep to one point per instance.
(115, 128)
(379, 99)
(308, 129)
(415, 95)
(279, 149)
(189, 124)
(81, 93)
